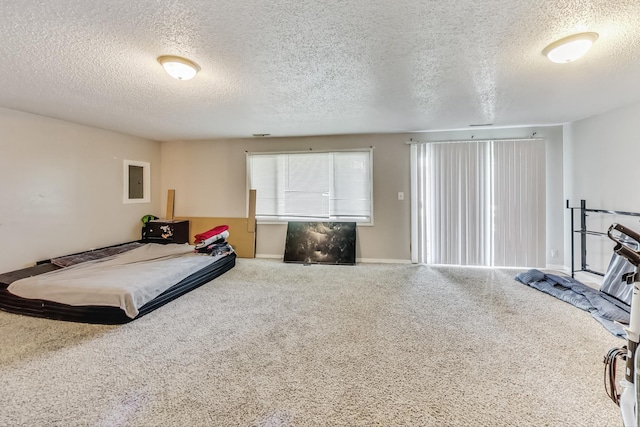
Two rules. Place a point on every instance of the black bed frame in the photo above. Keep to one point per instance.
(583, 231)
(100, 314)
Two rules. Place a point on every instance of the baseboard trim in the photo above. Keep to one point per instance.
(358, 260)
(558, 267)
(382, 261)
(269, 256)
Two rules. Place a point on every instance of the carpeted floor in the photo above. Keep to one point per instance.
(274, 344)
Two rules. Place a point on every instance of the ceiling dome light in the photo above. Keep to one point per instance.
(570, 48)
(179, 68)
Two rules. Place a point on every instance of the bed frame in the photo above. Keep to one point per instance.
(583, 231)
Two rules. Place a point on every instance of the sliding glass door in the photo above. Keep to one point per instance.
(479, 203)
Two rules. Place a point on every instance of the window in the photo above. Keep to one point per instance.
(136, 182)
(331, 186)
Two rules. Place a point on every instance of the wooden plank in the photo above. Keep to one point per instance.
(251, 225)
(242, 241)
(170, 203)
(242, 231)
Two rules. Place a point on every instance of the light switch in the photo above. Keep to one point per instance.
(400, 195)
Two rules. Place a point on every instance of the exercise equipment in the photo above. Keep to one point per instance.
(627, 399)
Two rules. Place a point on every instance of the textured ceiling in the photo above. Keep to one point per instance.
(309, 67)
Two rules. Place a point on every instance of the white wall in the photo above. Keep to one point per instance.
(62, 186)
(210, 180)
(601, 166)
(554, 166)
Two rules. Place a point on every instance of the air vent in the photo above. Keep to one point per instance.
(260, 135)
(481, 124)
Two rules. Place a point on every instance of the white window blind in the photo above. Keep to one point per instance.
(479, 203)
(319, 185)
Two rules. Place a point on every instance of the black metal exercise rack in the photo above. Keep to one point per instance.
(584, 232)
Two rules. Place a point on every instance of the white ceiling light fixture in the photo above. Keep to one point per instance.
(569, 48)
(179, 68)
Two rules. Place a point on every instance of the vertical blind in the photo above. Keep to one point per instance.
(519, 203)
(332, 185)
(479, 203)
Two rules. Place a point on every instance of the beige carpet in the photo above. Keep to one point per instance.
(273, 344)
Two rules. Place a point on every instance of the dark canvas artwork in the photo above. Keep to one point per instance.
(321, 243)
